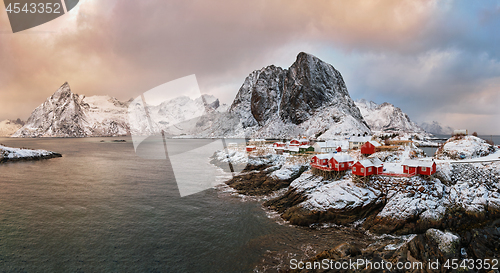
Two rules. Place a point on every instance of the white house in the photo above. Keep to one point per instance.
(356, 142)
(330, 146)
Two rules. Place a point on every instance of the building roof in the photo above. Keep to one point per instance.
(342, 157)
(323, 156)
(332, 143)
(294, 149)
(371, 162)
(360, 139)
(417, 163)
(374, 143)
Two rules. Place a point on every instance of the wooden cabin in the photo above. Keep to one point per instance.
(320, 161)
(367, 167)
(422, 167)
(251, 148)
(370, 147)
(340, 162)
(306, 148)
(279, 150)
(303, 141)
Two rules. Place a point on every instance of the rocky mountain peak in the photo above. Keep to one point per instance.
(310, 85)
(294, 96)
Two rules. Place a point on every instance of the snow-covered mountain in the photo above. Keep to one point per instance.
(386, 117)
(436, 128)
(9, 127)
(175, 117)
(309, 98)
(65, 114)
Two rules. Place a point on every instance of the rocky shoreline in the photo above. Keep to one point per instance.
(462, 202)
(8, 154)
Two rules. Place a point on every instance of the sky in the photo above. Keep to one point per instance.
(436, 60)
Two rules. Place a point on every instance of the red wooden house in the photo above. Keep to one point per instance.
(303, 141)
(279, 144)
(339, 149)
(368, 167)
(340, 162)
(320, 161)
(294, 142)
(251, 148)
(370, 147)
(423, 167)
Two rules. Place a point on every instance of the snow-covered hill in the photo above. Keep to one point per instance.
(65, 114)
(9, 127)
(310, 98)
(386, 117)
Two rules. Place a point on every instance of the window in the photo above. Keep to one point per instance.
(370, 169)
(362, 170)
(424, 169)
(336, 166)
(342, 165)
(353, 169)
(406, 167)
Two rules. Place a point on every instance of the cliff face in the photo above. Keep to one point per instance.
(309, 98)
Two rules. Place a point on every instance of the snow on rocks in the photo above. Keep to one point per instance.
(464, 147)
(286, 172)
(447, 242)
(324, 194)
(7, 154)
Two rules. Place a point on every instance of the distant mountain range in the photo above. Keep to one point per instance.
(9, 127)
(386, 117)
(436, 128)
(310, 98)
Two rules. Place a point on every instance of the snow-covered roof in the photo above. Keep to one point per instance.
(374, 143)
(371, 162)
(360, 139)
(251, 147)
(304, 146)
(343, 157)
(323, 156)
(417, 163)
(332, 143)
(294, 149)
(320, 144)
